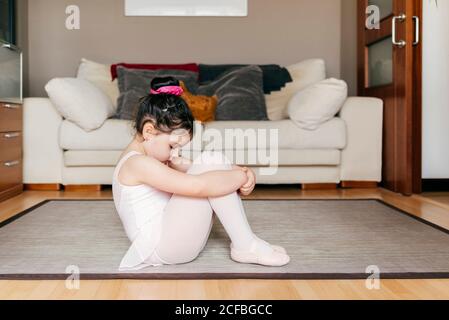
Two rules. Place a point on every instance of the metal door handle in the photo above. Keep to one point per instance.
(11, 163)
(400, 18)
(11, 135)
(10, 106)
(417, 29)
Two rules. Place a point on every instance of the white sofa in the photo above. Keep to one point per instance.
(346, 148)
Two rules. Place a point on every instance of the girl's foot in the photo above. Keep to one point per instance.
(260, 253)
(275, 247)
(279, 249)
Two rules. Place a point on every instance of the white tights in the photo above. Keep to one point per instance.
(187, 221)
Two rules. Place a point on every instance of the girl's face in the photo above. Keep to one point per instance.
(163, 146)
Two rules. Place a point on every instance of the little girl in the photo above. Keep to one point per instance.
(166, 202)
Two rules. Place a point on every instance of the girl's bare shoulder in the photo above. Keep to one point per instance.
(133, 168)
(127, 151)
(136, 160)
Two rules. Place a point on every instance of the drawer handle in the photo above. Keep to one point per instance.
(12, 163)
(11, 135)
(10, 106)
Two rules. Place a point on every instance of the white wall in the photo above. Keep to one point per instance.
(348, 48)
(436, 90)
(282, 32)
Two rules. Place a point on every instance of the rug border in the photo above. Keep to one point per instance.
(228, 276)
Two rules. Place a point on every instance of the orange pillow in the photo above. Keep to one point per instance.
(202, 107)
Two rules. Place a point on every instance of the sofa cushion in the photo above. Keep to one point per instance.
(240, 94)
(281, 175)
(330, 135)
(135, 84)
(91, 158)
(80, 101)
(115, 134)
(304, 74)
(100, 75)
(187, 67)
(318, 103)
(285, 157)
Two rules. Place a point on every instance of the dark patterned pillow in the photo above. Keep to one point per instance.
(134, 84)
(240, 94)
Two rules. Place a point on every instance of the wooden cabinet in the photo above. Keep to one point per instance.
(10, 150)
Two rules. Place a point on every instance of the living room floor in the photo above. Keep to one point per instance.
(433, 207)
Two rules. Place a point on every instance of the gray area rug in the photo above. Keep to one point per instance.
(326, 239)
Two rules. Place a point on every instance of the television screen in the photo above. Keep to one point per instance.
(7, 32)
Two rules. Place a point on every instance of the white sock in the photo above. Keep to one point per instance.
(263, 246)
(229, 210)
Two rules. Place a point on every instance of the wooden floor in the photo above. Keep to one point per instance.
(432, 207)
(441, 197)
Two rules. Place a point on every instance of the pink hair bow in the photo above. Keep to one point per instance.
(175, 90)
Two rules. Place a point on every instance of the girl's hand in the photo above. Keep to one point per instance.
(248, 187)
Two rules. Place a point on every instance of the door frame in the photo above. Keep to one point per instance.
(401, 164)
(417, 103)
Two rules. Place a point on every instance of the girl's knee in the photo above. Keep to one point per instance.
(213, 157)
(210, 161)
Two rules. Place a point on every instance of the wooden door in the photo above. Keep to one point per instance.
(389, 67)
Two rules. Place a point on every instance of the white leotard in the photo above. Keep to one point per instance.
(140, 208)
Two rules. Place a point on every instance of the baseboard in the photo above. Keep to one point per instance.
(82, 187)
(42, 186)
(359, 184)
(11, 192)
(318, 186)
(435, 185)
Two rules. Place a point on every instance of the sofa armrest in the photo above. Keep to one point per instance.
(42, 156)
(362, 156)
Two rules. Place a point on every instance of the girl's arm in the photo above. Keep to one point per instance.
(180, 163)
(209, 184)
(183, 164)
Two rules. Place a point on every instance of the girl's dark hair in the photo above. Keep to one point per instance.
(166, 112)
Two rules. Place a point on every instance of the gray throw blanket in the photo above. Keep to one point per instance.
(274, 76)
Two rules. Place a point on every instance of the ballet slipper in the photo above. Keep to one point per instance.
(275, 247)
(273, 259)
(278, 249)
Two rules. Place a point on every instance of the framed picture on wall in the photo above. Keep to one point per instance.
(7, 21)
(193, 8)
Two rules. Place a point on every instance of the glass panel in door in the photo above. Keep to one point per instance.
(380, 61)
(385, 6)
